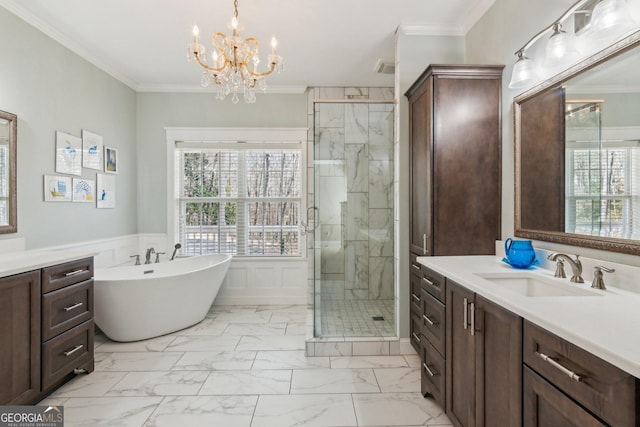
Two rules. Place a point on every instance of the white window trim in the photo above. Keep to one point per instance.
(201, 135)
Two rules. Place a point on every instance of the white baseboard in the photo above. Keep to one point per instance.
(263, 300)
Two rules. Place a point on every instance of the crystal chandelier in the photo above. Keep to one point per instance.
(234, 62)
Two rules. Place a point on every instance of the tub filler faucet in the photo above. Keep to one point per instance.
(147, 257)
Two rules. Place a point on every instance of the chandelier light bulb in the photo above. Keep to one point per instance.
(196, 31)
(274, 42)
(234, 23)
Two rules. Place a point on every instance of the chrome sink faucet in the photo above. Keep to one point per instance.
(575, 264)
(147, 257)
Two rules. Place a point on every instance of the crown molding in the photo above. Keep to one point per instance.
(271, 89)
(17, 9)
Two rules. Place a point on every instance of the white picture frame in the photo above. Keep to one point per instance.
(68, 154)
(106, 191)
(91, 150)
(84, 190)
(110, 160)
(57, 188)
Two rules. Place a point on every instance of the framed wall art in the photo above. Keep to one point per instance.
(106, 191)
(57, 188)
(91, 150)
(83, 190)
(68, 154)
(110, 160)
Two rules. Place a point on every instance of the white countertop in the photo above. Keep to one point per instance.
(607, 326)
(19, 262)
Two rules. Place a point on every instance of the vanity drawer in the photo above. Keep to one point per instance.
(433, 283)
(69, 273)
(433, 321)
(65, 308)
(433, 374)
(415, 328)
(416, 299)
(600, 387)
(66, 352)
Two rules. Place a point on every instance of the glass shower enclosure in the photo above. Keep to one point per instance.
(353, 208)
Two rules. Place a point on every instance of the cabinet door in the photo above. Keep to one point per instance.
(466, 165)
(20, 338)
(546, 406)
(461, 405)
(498, 365)
(420, 140)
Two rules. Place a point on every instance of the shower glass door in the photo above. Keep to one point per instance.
(354, 218)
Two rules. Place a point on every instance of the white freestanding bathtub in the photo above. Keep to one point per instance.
(138, 302)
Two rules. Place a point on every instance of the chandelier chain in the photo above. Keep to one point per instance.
(235, 7)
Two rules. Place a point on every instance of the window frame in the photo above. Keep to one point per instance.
(229, 138)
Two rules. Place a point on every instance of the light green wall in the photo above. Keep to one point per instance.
(159, 110)
(51, 88)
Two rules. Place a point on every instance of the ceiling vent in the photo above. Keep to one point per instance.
(384, 67)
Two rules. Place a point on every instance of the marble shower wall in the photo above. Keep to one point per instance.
(352, 185)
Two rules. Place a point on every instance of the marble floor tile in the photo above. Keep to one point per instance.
(316, 410)
(151, 361)
(398, 380)
(204, 411)
(289, 342)
(244, 316)
(208, 326)
(256, 329)
(109, 411)
(204, 343)
(160, 383)
(413, 360)
(247, 382)
(99, 357)
(53, 401)
(279, 317)
(292, 359)
(297, 328)
(92, 385)
(153, 344)
(394, 409)
(334, 381)
(341, 362)
(215, 360)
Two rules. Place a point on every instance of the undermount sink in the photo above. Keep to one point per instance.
(532, 285)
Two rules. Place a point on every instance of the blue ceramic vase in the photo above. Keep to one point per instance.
(520, 253)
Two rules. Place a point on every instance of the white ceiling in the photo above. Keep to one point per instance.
(323, 42)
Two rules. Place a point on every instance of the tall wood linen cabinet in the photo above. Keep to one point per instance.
(455, 186)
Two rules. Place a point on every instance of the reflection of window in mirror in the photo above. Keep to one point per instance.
(4, 171)
(601, 188)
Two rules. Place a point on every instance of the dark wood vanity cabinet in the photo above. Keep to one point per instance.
(46, 329)
(565, 383)
(484, 361)
(20, 338)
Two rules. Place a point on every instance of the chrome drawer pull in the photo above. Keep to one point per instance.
(429, 321)
(416, 337)
(416, 297)
(465, 316)
(417, 267)
(430, 283)
(73, 350)
(472, 308)
(76, 305)
(568, 372)
(74, 272)
(432, 373)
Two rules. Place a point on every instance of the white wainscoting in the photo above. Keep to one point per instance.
(249, 281)
(256, 281)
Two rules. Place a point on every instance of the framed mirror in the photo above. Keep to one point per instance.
(577, 153)
(8, 191)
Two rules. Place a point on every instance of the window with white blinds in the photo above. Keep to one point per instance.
(603, 190)
(239, 201)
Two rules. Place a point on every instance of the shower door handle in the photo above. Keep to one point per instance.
(315, 212)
